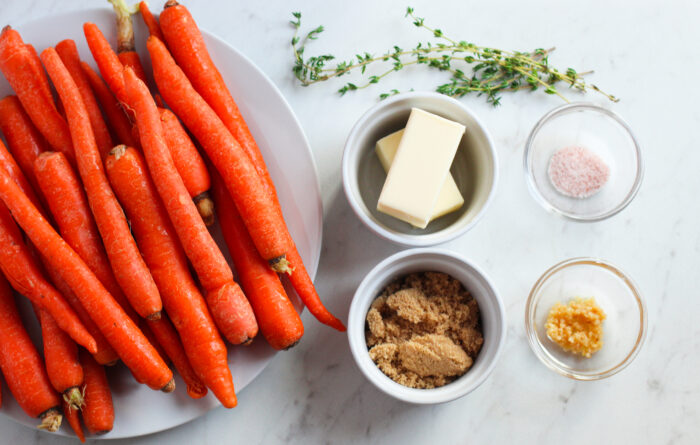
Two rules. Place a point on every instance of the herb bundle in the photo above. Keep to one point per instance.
(493, 71)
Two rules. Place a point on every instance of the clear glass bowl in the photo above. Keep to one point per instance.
(599, 130)
(624, 328)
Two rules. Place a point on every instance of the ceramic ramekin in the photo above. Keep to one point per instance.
(493, 321)
(475, 169)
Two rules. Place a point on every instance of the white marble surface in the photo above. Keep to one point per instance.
(647, 55)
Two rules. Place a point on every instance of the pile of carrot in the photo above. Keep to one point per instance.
(105, 203)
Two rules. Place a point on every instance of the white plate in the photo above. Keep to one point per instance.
(281, 139)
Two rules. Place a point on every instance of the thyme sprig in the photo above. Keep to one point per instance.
(492, 71)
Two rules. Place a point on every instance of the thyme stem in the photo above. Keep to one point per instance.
(493, 71)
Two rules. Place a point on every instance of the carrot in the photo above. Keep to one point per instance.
(23, 139)
(22, 367)
(39, 71)
(24, 274)
(69, 207)
(150, 21)
(164, 255)
(73, 417)
(61, 357)
(189, 164)
(8, 163)
(121, 332)
(128, 266)
(17, 66)
(148, 332)
(278, 320)
(262, 218)
(230, 309)
(68, 52)
(105, 354)
(107, 60)
(168, 338)
(117, 118)
(98, 412)
(189, 50)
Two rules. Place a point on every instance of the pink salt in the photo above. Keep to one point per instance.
(577, 172)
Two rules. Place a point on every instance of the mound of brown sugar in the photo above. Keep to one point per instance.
(423, 331)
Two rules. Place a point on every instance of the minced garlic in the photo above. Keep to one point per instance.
(577, 327)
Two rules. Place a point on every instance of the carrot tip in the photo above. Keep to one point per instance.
(196, 391)
(336, 324)
(205, 206)
(50, 420)
(281, 265)
(291, 346)
(74, 397)
(169, 387)
(154, 316)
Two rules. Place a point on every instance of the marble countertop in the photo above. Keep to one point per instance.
(315, 394)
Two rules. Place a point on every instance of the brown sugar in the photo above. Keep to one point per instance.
(423, 331)
(577, 327)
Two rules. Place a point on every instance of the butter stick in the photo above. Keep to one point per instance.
(420, 167)
(449, 200)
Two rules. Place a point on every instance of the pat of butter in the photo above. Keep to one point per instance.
(449, 199)
(420, 167)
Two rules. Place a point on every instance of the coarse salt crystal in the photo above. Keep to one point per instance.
(577, 172)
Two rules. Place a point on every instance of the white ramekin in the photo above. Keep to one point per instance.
(493, 321)
(475, 168)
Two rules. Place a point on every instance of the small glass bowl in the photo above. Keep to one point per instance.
(600, 131)
(624, 327)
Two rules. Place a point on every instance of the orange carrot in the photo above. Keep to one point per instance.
(23, 139)
(105, 355)
(17, 66)
(131, 59)
(278, 320)
(39, 71)
(98, 412)
(69, 207)
(117, 118)
(22, 367)
(61, 357)
(72, 415)
(107, 60)
(128, 266)
(230, 309)
(262, 218)
(189, 164)
(165, 257)
(8, 163)
(187, 46)
(148, 332)
(150, 21)
(24, 274)
(68, 52)
(168, 338)
(121, 332)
